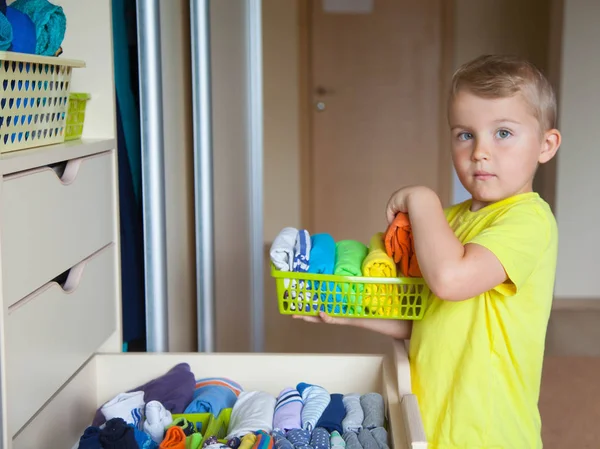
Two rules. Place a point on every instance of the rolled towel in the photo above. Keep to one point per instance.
(116, 434)
(288, 410)
(366, 440)
(381, 436)
(50, 24)
(349, 256)
(400, 245)
(213, 394)
(336, 441)
(351, 440)
(6, 33)
(379, 298)
(374, 409)
(322, 254)
(282, 249)
(23, 39)
(320, 439)
(354, 413)
(174, 390)
(302, 251)
(300, 438)
(316, 399)
(281, 442)
(332, 417)
(174, 439)
(253, 411)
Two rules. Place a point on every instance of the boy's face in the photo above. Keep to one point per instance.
(497, 145)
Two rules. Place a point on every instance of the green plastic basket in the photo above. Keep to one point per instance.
(200, 420)
(76, 115)
(350, 297)
(219, 426)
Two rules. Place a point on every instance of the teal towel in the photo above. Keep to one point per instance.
(50, 24)
(6, 33)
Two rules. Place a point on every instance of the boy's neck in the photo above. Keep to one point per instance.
(477, 205)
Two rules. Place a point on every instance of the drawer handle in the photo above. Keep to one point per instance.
(69, 280)
(67, 170)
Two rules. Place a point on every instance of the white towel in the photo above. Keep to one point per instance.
(157, 419)
(252, 411)
(282, 249)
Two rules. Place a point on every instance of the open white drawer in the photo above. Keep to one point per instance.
(60, 423)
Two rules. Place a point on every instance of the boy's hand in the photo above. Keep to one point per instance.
(399, 201)
(397, 329)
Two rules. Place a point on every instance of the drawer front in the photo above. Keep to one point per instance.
(52, 332)
(50, 223)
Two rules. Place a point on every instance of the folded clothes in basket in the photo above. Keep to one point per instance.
(50, 24)
(302, 249)
(348, 262)
(379, 298)
(399, 245)
(282, 249)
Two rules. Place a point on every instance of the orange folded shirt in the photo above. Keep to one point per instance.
(174, 439)
(400, 246)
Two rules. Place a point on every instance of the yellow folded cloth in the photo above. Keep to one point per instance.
(248, 441)
(380, 298)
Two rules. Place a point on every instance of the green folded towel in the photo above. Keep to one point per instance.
(349, 256)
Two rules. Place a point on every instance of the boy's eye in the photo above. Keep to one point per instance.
(503, 134)
(465, 136)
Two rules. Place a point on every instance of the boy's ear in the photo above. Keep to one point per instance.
(550, 144)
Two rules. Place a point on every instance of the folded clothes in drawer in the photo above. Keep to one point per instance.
(52, 218)
(107, 384)
(46, 338)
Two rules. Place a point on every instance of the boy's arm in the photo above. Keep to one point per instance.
(452, 271)
(398, 329)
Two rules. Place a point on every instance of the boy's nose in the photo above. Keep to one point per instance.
(480, 152)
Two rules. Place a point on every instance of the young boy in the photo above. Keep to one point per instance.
(476, 357)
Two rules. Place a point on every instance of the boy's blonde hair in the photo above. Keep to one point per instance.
(498, 76)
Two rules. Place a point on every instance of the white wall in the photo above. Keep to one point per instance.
(578, 182)
(281, 116)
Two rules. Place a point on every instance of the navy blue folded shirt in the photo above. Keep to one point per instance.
(333, 415)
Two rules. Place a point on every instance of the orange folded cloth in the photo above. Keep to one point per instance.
(174, 439)
(400, 246)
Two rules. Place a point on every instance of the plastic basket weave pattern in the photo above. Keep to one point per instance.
(34, 94)
(76, 115)
(350, 297)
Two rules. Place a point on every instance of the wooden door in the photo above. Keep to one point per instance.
(380, 77)
(375, 90)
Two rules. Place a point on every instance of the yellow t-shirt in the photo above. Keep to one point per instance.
(476, 364)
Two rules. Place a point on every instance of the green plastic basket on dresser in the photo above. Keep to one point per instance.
(76, 115)
(349, 296)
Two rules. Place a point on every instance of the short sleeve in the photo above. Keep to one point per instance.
(518, 238)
